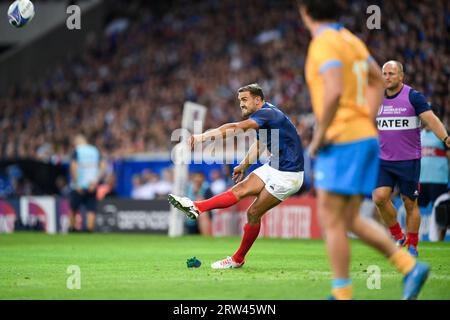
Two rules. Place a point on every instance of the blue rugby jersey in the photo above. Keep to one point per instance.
(289, 156)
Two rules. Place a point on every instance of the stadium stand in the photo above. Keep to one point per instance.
(127, 88)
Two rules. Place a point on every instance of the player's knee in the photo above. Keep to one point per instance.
(410, 204)
(253, 215)
(252, 211)
(380, 198)
(240, 190)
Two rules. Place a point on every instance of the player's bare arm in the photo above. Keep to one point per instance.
(226, 130)
(375, 89)
(74, 172)
(435, 125)
(333, 88)
(252, 156)
(102, 173)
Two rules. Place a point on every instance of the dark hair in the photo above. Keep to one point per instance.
(321, 10)
(254, 89)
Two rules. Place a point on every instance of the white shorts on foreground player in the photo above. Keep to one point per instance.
(280, 184)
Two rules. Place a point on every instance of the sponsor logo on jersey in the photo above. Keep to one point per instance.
(398, 123)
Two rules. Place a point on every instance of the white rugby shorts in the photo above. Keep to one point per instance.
(280, 184)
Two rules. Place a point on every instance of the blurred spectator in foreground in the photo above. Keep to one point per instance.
(198, 189)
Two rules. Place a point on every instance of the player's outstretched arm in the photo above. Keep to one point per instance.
(74, 172)
(375, 89)
(226, 130)
(333, 88)
(436, 126)
(103, 166)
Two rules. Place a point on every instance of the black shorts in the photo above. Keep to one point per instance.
(405, 174)
(86, 199)
(429, 192)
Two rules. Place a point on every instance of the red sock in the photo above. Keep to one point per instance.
(413, 239)
(251, 232)
(223, 200)
(396, 231)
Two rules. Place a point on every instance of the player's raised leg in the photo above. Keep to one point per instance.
(263, 203)
(251, 186)
(367, 230)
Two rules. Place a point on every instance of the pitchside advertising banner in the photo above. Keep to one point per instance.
(47, 214)
(123, 215)
(9, 213)
(51, 215)
(294, 218)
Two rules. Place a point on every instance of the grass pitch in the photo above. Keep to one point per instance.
(125, 266)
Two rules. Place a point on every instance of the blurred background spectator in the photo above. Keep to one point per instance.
(164, 185)
(107, 188)
(198, 189)
(144, 185)
(218, 183)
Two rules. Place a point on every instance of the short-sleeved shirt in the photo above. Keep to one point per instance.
(278, 132)
(399, 125)
(336, 47)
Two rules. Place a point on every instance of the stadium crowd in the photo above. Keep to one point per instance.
(127, 89)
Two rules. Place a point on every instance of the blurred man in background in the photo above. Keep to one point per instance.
(434, 167)
(434, 178)
(86, 169)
